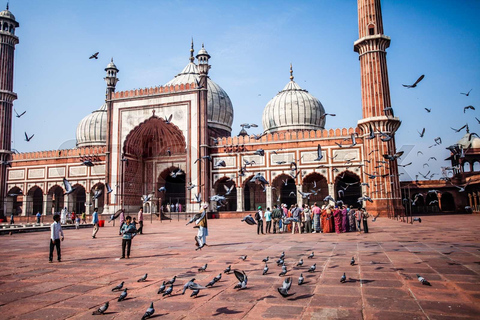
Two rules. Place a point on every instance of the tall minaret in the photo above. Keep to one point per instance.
(377, 111)
(111, 80)
(203, 67)
(8, 40)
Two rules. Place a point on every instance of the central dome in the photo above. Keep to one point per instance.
(219, 105)
(293, 109)
(92, 130)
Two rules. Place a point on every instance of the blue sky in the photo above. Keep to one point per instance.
(252, 44)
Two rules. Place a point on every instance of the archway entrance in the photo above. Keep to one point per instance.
(316, 184)
(79, 198)
(14, 201)
(348, 188)
(448, 203)
(254, 195)
(55, 196)
(100, 201)
(151, 147)
(284, 185)
(34, 201)
(175, 184)
(231, 198)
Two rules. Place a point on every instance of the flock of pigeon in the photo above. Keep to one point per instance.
(166, 288)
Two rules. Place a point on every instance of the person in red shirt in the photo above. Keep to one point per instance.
(140, 221)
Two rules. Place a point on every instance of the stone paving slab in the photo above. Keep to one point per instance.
(381, 285)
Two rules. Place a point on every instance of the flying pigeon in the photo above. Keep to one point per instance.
(468, 107)
(101, 310)
(19, 115)
(187, 285)
(146, 198)
(162, 288)
(249, 220)
(97, 194)
(258, 178)
(94, 56)
(260, 152)
(415, 84)
(300, 279)
(287, 283)
(68, 187)
(109, 189)
(220, 163)
(319, 153)
(242, 278)
(123, 295)
(150, 311)
(466, 94)
(228, 190)
(423, 280)
(119, 287)
(162, 189)
(169, 119)
(343, 279)
(312, 268)
(142, 279)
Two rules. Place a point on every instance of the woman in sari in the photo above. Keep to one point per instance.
(351, 219)
(337, 215)
(325, 220)
(344, 219)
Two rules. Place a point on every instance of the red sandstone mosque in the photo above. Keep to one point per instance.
(141, 140)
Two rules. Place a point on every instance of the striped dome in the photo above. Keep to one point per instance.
(92, 130)
(219, 105)
(293, 109)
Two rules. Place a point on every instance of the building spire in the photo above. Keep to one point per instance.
(7, 4)
(291, 72)
(191, 52)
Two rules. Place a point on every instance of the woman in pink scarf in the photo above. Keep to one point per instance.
(337, 215)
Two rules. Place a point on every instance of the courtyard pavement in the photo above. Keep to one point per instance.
(382, 285)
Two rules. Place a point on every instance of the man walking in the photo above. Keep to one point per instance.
(259, 218)
(140, 221)
(95, 222)
(55, 231)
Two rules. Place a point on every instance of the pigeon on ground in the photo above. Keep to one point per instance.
(202, 269)
(282, 255)
(243, 257)
(194, 293)
(242, 278)
(171, 281)
(300, 279)
(142, 279)
(168, 292)
(217, 278)
(423, 280)
(311, 255)
(280, 262)
(417, 219)
(123, 295)
(352, 262)
(343, 279)
(265, 270)
(119, 287)
(162, 288)
(266, 259)
(312, 268)
(150, 311)
(211, 283)
(284, 271)
(101, 310)
(287, 283)
(187, 284)
(300, 263)
(228, 269)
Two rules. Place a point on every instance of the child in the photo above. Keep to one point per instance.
(128, 231)
(55, 231)
(77, 222)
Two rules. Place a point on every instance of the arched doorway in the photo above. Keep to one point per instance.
(448, 203)
(79, 197)
(316, 184)
(231, 198)
(431, 201)
(14, 200)
(56, 199)
(34, 201)
(100, 201)
(284, 186)
(348, 188)
(254, 195)
(175, 185)
(153, 144)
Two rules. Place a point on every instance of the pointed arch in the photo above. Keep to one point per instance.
(348, 188)
(254, 195)
(316, 184)
(231, 199)
(284, 185)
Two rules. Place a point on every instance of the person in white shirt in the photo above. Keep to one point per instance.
(55, 231)
(259, 218)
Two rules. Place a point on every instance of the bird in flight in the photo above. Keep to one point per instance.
(458, 130)
(467, 94)
(428, 110)
(27, 138)
(19, 115)
(468, 107)
(415, 84)
(421, 133)
(94, 56)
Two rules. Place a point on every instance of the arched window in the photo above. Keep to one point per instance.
(467, 167)
(476, 166)
(371, 30)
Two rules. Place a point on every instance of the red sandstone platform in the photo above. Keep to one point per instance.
(443, 249)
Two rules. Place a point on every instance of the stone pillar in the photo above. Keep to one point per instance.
(331, 190)
(269, 202)
(88, 199)
(25, 205)
(45, 204)
(299, 196)
(240, 207)
(67, 202)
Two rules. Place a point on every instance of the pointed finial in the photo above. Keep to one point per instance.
(203, 45)
(111, 60)
(7, 4)
(291, 72)
(191, 52)
(468, 129)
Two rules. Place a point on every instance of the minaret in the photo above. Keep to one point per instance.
(377, 111)
(111, 80)
(8, 40)
(203, 67)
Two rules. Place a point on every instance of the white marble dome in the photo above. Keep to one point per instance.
(293, 108)
(219, 106)
(92, 130)
(469, 141)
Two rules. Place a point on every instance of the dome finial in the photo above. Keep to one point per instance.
(191, 52)
(468, 129)
(291, 72)
(7, 4)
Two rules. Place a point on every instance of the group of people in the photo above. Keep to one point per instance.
(312, 219)
(173, 207)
